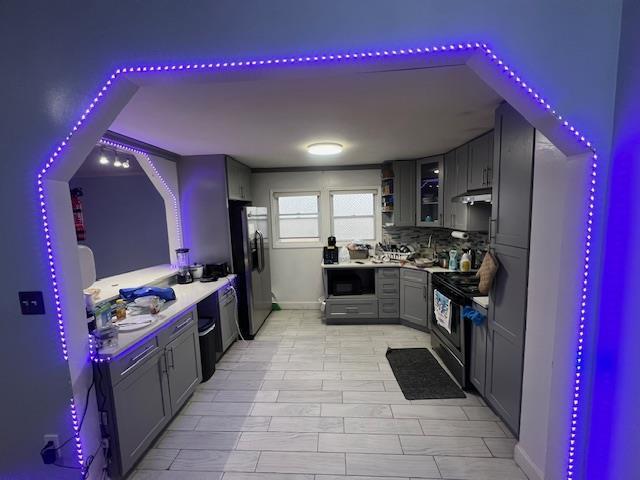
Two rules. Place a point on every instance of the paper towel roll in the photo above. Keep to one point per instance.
(462, 235)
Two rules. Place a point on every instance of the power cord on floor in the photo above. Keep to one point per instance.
(235, 316)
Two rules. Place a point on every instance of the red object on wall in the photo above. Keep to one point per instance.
(78, 219)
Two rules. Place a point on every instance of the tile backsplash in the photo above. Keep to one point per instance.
(440, 238)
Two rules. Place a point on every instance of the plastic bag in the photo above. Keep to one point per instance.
(343, 256)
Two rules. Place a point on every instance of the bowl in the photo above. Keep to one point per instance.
(151, 302)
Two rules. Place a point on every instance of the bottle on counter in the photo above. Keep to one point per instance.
(120, 309)
(465, 262)
(453, 260)
(106, 332)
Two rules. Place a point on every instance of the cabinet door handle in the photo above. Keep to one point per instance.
(424, 292)
(139, 358)
(492, 222)
(484, 175)
(173, 363)
(182, 325)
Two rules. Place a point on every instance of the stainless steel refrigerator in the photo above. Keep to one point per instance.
(250, 246)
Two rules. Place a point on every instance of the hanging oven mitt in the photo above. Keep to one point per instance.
(487, 272)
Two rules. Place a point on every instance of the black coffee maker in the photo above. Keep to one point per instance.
(214, 271)
(330, 252)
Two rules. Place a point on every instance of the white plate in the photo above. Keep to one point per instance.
(136, 322)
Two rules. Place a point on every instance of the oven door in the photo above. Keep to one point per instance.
(454, 339)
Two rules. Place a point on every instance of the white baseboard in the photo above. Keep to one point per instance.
(299, 305)
(526, 464)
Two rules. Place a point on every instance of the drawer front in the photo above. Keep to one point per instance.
(130, 361)
(389, 308)
(414, 275)
(178, 326)
(352, 309)
(388, 288)
(388, 272)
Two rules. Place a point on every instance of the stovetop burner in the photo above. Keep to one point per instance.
(465, 282)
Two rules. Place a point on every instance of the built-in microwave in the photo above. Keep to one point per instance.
(351, 281)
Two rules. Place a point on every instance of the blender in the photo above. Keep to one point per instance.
(184, 275)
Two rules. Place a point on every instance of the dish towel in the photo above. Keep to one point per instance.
(475, 316)
(442, 310)
(130, 294)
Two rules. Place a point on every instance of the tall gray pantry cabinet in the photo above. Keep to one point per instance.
(509, 238)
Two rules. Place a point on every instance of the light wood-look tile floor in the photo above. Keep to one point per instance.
(308, 401)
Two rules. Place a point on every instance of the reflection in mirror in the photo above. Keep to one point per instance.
(118, 213)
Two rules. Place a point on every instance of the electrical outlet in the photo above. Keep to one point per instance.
(52, 437)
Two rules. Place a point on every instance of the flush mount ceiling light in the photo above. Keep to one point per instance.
(324, 148)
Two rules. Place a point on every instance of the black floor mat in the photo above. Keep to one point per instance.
(420, 375)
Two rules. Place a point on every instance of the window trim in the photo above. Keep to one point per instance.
(275, 219)
(377, 220)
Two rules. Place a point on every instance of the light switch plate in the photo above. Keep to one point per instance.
(31, 303)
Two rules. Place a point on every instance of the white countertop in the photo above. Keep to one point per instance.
(369, 264)
(110, 286)
(482, 301)
(187, 296)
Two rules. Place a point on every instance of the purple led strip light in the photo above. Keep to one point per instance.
(342, 57)
(174, 200)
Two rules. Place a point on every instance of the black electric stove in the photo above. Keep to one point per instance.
(452, 344)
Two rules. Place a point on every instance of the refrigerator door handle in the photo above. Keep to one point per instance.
(262, 262)
(256, 241)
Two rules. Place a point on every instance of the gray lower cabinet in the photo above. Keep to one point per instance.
(414, 297)
(183, 367)
(141, 408)
(351, 308)
(512, 178)
(505, 334)
(141, 390)
(478, 355)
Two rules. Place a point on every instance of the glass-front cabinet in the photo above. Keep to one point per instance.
(429, 191)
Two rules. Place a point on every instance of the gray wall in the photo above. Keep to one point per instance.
(57, 56)
(125, 223)
(615, 430)
(203, 203)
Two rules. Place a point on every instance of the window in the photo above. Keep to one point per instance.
(353, 216)
(297, 217)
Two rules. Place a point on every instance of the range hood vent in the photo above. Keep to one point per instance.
(473, 196)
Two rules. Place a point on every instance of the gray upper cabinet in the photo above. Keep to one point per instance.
(457, 215)
(238, 180)
(480, 169)
(460, 210)
(512, 178)
(429, 189)
(505, 334)
(455, 183)
(404, 208)
(450, 187)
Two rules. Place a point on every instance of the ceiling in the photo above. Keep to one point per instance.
(267, 123)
